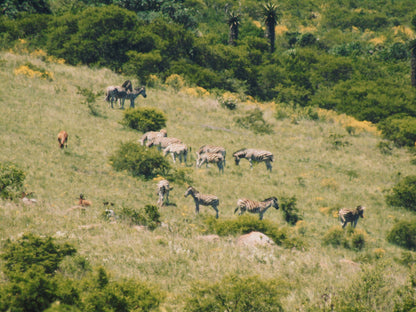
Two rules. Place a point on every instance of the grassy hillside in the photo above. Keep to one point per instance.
(317, 161)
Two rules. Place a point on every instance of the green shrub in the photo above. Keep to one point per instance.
(403, 194)
(254, 121)
(149, 216)
(144, 119)
(32, 251)
(139, 161)
(335, 237)
(234, 293)
(400, 129)
(403, 234)
(290, 211)
(11, 180)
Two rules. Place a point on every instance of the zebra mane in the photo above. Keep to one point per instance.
(270, 198)
(239, 151)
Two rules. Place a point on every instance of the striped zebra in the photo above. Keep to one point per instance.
(213, 158)
(112, 92)
(176, 150)
(163, 189)
(254, 155)
(162, 142)
(346, 215)
(132, 95)
(152, 135)
(212, 149)
(204, 200)
(252, 206)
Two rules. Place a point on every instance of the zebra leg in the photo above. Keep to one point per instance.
(196, 208)
(251, 163)
(174, 158)
(269, 165)
(261, 216)
(167, 197)
(236, 209)
(216, 210)
(131, 103)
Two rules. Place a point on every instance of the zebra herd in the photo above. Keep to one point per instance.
(122, 93)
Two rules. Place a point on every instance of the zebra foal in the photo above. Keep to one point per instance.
(254, 155)
(346, 215)
(163, 189)
(252, 206)
(152, 135)
(202, 199)
(212, 158)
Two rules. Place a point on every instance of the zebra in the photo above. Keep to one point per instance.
(346, 215)
(112, 92)
(162, 142)
(133, 95)
(254, 155)
(152, 135)
(176, 150)
(163, 189)
(212, 149)
(252, 206)
(210, 158)
(204, 200)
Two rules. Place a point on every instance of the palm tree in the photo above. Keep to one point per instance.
(412, 46)
(233, 21)
(271, 17)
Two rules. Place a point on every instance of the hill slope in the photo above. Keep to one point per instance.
(317, 162)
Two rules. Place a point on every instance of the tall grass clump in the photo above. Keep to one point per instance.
(11, 180)
(144, 119)
(234, 293)
(148, 216)
(139, 161)
(403, 194)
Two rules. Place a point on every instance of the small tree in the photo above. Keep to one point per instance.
(271, 17)
(11, 180)
(233, 21)
(403, 234)
(403, 194)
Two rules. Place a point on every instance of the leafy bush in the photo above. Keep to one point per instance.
(290, 211)
(403, 194)
(335, 237)
(254, 121)
(350, 238)
(234, 293)
(399, 129)
(246, 224)
(139, 161)
(149, 216)
(11, 180)
(403, 234)
(144, 119)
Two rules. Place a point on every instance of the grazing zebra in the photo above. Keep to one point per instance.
(254, 155)
(346, 215)
(204, 200)
(213, 158)
(256, 207)
(176, 150)
(151, 135)
(212, 149)
(162, 142)
(163, 189)
(131, 95)
(112, 92)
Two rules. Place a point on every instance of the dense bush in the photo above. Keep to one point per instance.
(35, 282)
(148, 216)
(235, 293)
(11, 180)
(254, 121)
(399, 129)
(403, 194)
(144, 119)
(403, 234)
(139, 161)
(290, 211)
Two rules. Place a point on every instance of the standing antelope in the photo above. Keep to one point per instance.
(63, 139)
(152, 135)
(213, 158)
(176, 150)
(346, 215)
(254, 155)
(212, 149)
(204, 200)
(163, 189)
(252, 206)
